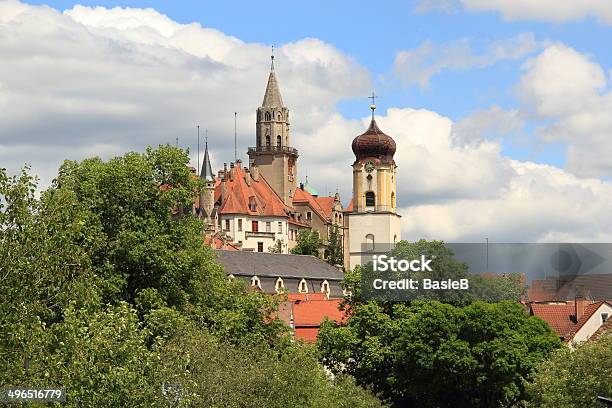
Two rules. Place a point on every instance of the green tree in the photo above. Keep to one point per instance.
(335, 252)
(434, 354)
(574, 378)
(277, 247)
(308, 243)
(103, 275)
(216, 374)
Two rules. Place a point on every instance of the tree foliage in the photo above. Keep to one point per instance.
(308, 243)
(434, 354)
(102, 277)
(335, 251)
(574, 378)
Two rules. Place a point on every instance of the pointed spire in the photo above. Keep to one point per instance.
(206, 172)
(272, 97)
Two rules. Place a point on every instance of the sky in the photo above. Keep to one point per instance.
(501, 109)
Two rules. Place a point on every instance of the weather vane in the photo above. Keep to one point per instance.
(373, 105)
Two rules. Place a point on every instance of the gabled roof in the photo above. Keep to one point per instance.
(561, 317)
(277, 265)
(241, 189)
(323, 206)
(604, 329)
(349, 207)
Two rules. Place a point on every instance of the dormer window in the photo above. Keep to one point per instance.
(255, 282)
(325, 288)
(252, 204)
(279, 286)
(303, 286)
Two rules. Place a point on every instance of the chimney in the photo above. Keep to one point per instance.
(580, 303)
(223, 183)
(255, 173)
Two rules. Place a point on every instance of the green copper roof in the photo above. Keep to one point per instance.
(309, 189)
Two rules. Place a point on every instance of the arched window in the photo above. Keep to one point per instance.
(259, 116)
(370, 199)
(369, 242)
(255, 282)
(279, 141)
(279, 286)
(268, 141)
(280, 116)
(325, 288)
(393, 199)
(303, 286)
(268, 116)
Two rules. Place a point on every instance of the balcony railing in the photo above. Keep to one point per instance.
(273, 149)
(259, 234)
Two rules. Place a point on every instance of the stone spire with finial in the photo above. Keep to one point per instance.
(272, 97)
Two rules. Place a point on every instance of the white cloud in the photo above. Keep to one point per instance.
(419, 65)
(570, 92)
(94, 81)
(494, 123)
(133, 77)
(542, 10)
(546, 10)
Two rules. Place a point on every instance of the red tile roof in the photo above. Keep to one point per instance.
(310, 313)
(561, 317)
(241, 189)
(304, 197)
(216, 243)
(327, 204)
(349, 207)
(308, 334)
(604, 329)
(306, 296)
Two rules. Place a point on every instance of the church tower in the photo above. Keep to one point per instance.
(373, 224)
(207, 193)
(273, 154)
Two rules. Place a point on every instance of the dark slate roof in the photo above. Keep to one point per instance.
(274, 265)
(206, 173)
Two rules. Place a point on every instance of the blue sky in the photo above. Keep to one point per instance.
(373, 33)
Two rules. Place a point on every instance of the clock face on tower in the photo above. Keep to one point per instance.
(369, 166)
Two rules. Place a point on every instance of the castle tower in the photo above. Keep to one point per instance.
(373, 225)
(207, 194)
(273, 154)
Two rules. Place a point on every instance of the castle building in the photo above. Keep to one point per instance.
(262, 208)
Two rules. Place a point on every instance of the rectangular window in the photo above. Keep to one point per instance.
(604, 317)
(308, 215)
(254, 226)
(240, 225)
(227, 225)
(268, 226)
(280, 227)
(260, 247)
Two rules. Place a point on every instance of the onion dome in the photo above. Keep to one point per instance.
(374, 143)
